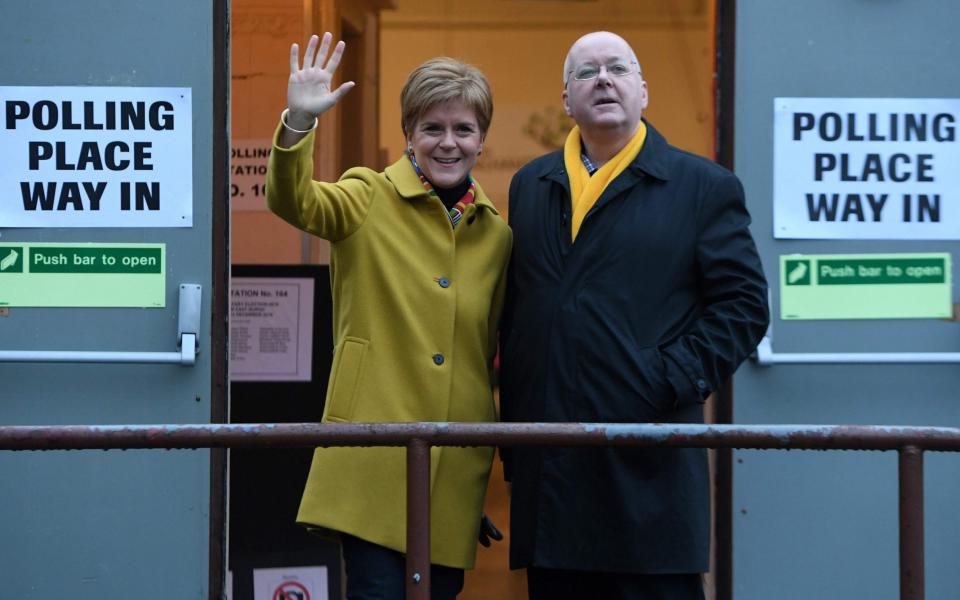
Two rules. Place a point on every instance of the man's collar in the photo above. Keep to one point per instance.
(591, 168)
(652, 159)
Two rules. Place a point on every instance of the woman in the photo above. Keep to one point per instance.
(418, 262)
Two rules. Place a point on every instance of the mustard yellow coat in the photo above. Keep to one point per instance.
(416, 306)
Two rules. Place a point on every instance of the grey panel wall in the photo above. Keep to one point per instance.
(114, 524)
(824, 525)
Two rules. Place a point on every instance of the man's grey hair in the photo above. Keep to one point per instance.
(567, 63)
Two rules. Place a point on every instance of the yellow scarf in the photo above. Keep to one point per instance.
(584, 189)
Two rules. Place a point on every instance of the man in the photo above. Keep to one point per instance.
(635, 290)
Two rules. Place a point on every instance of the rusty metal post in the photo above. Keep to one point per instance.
(911, 524)
(418, 519)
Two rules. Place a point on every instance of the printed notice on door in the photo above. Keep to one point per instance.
(45, 274)
(866, 168)
(271, 329)
(865, 286)
(91, 156)
(291, 583)
(248, 173)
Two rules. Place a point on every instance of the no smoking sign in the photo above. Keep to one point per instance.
(291, 590)
(291, 583)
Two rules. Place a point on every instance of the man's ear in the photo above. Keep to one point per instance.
(566, 104)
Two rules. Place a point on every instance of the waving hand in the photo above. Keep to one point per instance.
(308, 89)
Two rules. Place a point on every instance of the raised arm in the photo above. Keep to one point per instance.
(331, 210)
(308, 89)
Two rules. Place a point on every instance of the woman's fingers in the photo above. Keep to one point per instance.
(309, 88)
(310, 55)
(314, 58)
(341, 91)
(294, 58)
(321, 56)
(334, 61)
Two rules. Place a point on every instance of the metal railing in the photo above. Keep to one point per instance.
(909, 442)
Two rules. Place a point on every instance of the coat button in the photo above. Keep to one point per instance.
(444, 282)
(438, 359)
(701, 384)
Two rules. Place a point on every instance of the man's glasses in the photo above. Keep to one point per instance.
(588, 71)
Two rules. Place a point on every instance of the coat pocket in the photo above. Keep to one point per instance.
(653, 385)
(347, 370)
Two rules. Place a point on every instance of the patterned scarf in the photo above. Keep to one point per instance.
(455, 213)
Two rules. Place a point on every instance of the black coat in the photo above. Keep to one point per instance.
(656, 304)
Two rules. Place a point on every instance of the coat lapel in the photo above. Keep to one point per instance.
(556, 171)
(403, 176)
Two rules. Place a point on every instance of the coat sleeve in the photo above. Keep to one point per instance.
(506, 324)
(331, 211)
(734, 312)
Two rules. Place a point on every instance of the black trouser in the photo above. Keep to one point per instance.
(378, 573)
(558, 584)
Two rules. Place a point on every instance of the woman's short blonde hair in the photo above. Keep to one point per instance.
(440, 80)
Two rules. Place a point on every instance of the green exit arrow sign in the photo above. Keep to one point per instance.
(865, 286)
(82, 275)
